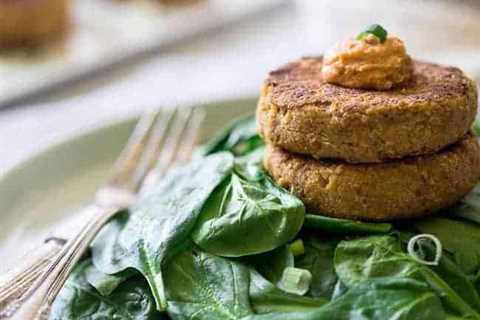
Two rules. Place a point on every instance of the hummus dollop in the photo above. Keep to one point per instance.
(368, 63)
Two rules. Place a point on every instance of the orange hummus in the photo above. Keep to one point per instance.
(368, 63)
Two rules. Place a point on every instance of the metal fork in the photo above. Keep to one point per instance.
(158, 141)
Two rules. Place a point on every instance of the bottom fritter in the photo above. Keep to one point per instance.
(411, 187)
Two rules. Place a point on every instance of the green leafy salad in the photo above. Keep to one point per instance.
(219, 239)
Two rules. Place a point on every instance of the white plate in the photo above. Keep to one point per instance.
(106, 33)
(46, 189)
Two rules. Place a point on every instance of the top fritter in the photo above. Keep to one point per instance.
(302, 113)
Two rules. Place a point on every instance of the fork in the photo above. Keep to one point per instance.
(158, 141)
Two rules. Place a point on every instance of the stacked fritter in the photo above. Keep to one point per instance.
(32, 22)
(367, 154)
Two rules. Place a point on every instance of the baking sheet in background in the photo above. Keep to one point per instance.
(105, 33)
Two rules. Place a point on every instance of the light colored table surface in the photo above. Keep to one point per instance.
(234, 62)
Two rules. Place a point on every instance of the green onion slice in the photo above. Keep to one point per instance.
(375, 29)
(416, 241)
(295, 280)
(297, 248)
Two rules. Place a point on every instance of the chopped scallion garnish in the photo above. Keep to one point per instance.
(297, 248)
(376, 30)
(414, 249)
(295, 280)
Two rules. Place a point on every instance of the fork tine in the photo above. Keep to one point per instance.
(185, 150)
(152, 147)
(131, 153)
(173, 141)
(169, 151)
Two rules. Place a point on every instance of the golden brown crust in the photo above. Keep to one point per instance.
(301, 113)
(400, 189)
(31, 22)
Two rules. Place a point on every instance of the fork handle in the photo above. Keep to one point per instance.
(37, 301)
(16, 282)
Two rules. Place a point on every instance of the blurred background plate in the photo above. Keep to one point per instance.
(105, 33)
(44, 191)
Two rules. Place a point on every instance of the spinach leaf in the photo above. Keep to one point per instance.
(469, 207)
(250, 167)
(460, 238)
(79, 300)
(240, 137)
(203, 286)
(452, 274)
(336, 225)
(104, 283)
(373, 257)
(374, 299)
(160, 224)
(476, 281)
(266, 297)
(248, 214)
(271, 264)
(386, 299)
(318, 259)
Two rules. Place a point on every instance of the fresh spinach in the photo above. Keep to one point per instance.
(250, 166)
(248, 214)
(266, 297)
(460, 238)
(240, 137)
(160, 224)
(452, 274)
(202, 286)
(318, 259)
(336, 225)
(476, 281)
(376, 299)
(386, 299)
(372, 257)
(79, 300)
(104, 283)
